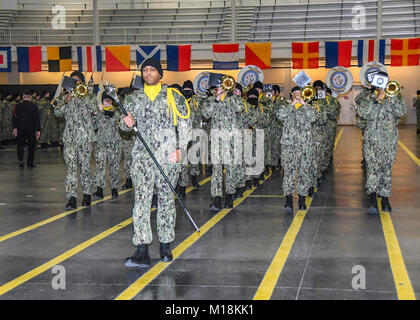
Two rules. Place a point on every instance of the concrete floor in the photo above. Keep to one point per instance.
(232, 256)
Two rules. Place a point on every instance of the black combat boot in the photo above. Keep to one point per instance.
(99, 194)
(86, 200)
(165, 252)
(72, 204)
(386, 206)
(128, 184)
(289, 204)
(229, 201)
(373, 205)
(114, 193)
(302, 203)
(248, 184)
(217, 204)
(194, 182)
(311, 192)
(154, 201)
(140, 258)
(256, 182)
(181, 193)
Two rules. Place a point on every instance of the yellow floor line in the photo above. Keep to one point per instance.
(144, 280)
(402, 280)
(269, 281)
(272, 275)
(412, 155)
(66, 255)
(54, 218)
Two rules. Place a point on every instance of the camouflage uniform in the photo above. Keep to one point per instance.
(224, 119)
(78, 137)
(333, 112)
(319, 143)
(278, 128)
(108, 147)
(127, 144)
(152, 117)
(196, 121)
(45, 119)
(360, 122)
(245, 122)
(297, 146)
(417, 105)
(380, 140)
(260, 121)
(7, 126)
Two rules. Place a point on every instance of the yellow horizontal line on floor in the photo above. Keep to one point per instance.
(402, 280)
(157, 269)
(66, 255)
(54, 218)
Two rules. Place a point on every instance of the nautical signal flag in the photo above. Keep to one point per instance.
(29, 59)
(178, 58)
(369, 51)
(5, 59)
(258, 54)
(146, 52)
(405, 52)
(117, 58)
(226, 56)
(89, 58)
(338, 53)
(59, 59)
(305, 55)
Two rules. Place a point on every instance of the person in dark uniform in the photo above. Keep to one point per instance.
(26, 127)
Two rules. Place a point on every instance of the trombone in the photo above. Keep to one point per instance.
(80, 90)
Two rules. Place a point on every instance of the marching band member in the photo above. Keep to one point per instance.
(78, 137)
(296, 147)
(108, 147)
(158, 112)
(222, 111)
(382, 112)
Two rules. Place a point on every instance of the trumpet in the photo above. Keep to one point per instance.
(80, 90)
(308, 93)
(228, 83)
(392, 89)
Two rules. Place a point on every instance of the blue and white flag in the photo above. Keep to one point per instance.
(146, 52)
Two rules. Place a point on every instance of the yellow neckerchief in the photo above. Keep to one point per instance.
(223, 97)
(328, 100)
(152, 91)
(172, 104)
(298, 105)
(261, 107)
(261, 95)
(418, 97)
(246, 106)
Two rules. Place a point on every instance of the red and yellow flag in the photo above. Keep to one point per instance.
(117, 58)
(405, 52)
(258, 54)
(305, 55)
